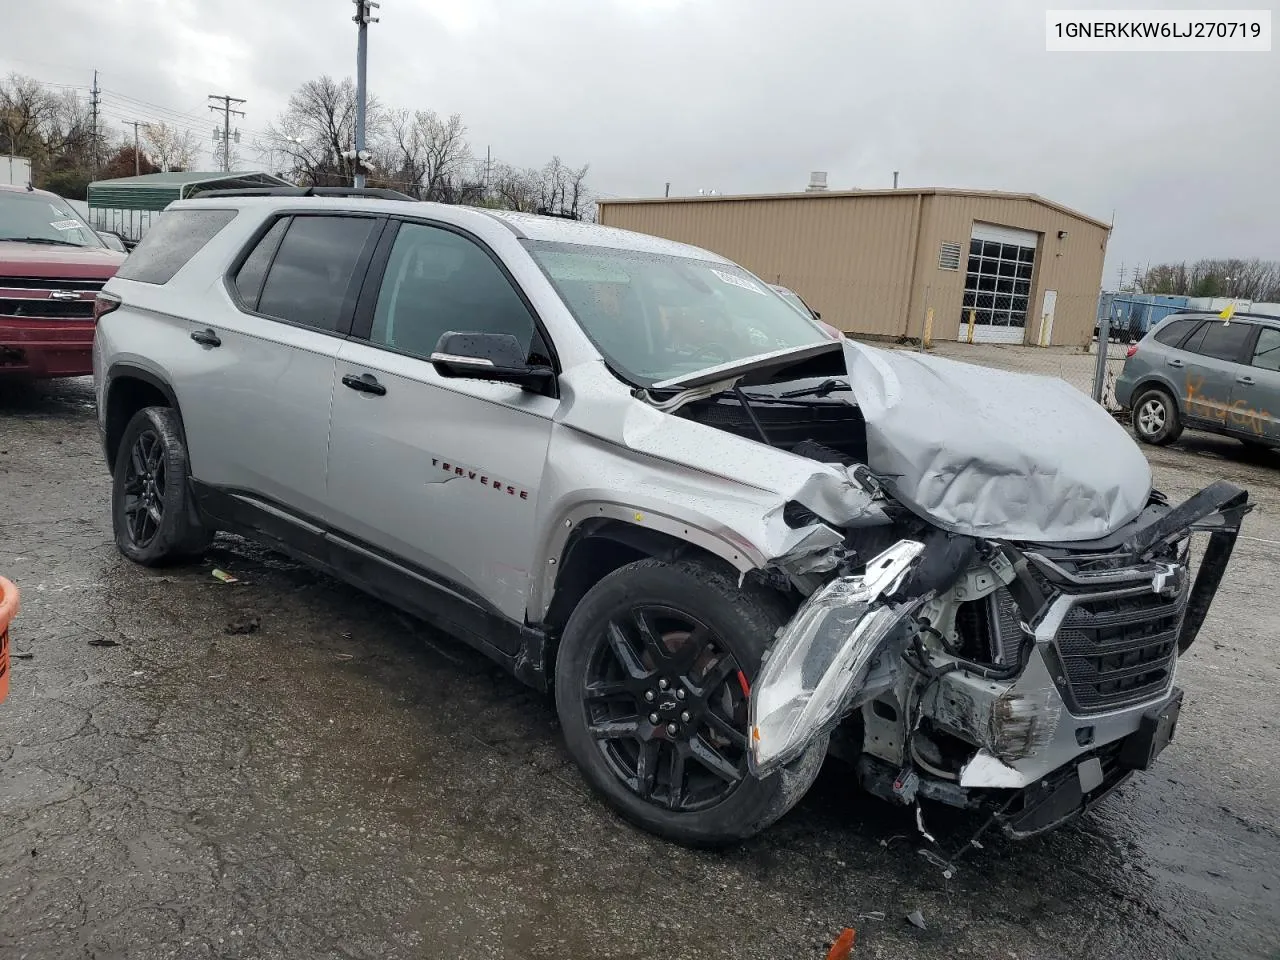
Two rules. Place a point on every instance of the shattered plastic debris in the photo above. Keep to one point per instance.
(103, 642)
(843, 945)
(224, 576)
(916, 919)
(22, 654)
(948, 868)
(921, 827)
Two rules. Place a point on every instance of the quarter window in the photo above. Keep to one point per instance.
(1266, 355)
(254, 269)
(311, 281)
(439, 282)
(1225, 341)
(1173, 332)
(178, 235)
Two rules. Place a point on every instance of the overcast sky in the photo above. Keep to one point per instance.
(736, 95)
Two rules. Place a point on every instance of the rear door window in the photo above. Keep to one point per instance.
(175, 237)
(1225, 340)
(1196, 339)
(1172, 333)
(314, 278)
(254, 269)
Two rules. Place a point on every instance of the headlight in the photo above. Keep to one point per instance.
(821, 655)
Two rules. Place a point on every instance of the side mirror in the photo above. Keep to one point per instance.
(112, 241)
(487, 356)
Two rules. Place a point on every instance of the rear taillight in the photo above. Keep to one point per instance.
(1133, 348)
(103, 304)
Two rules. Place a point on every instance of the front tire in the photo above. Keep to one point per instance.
(151, 511)
(1155, 417)
(652, 680)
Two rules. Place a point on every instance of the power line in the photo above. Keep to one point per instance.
(96, 92)
(227, 101)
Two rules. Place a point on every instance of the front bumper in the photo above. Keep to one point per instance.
(1062, 794)
(42, 349)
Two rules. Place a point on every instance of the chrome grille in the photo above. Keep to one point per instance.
(47, 298)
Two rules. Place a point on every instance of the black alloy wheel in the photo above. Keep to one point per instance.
(667, 706)
(144, 488)
(152, 514)
(653, 683)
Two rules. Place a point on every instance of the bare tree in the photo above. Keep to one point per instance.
(318, 126)
(170, 148)
(425, 155)
(1246, 279)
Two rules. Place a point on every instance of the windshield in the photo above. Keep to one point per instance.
(43, 218)
(655, 317)
(793, 299)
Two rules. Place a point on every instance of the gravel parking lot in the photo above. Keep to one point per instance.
(282, 767)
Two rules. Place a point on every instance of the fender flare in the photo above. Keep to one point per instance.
(734, 550)
(146, 373)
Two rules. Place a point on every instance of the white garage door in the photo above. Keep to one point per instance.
(998, 282)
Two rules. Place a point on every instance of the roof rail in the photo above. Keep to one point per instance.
(563, 214)
(1243, 314)
(368, 193)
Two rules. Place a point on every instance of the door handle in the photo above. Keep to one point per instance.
(1176, 363)
(1246, 380)
(365, 383)
(206, 338)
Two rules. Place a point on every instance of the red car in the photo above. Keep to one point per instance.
(52, 265)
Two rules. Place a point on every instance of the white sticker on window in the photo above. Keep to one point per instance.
(737, 281)
(66, 224)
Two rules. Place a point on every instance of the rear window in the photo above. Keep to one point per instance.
(176, 237)
(1172, 333)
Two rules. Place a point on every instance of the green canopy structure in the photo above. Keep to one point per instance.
(127, 205)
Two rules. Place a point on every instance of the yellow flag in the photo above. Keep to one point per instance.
(1227, 313)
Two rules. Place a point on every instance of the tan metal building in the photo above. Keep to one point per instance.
(875, 262)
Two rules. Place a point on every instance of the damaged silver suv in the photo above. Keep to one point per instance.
(632, 473)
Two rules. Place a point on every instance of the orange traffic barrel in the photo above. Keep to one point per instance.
(8, 610)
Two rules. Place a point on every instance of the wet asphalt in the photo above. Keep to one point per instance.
(283, 767)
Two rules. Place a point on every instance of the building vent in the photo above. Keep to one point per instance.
(817, 181)
(949, 255)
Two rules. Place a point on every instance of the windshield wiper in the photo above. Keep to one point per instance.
(61, 243)
(821, 390)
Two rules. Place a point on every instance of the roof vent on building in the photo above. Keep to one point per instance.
(817, 181)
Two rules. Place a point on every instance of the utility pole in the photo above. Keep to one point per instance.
(895, 179)
(364, 16)
(226, 124)
(94, 102)
(137, 163)
(488, 169)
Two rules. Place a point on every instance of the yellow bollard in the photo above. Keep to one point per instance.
(973, 318)
(928, 329)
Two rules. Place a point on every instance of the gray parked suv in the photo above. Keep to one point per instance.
(1199, 370)
(633, 474)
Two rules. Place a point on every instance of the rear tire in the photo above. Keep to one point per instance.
(151, 510)
(681, 642)
(1155, 417)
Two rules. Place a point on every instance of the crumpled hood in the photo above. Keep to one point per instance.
(987, 452)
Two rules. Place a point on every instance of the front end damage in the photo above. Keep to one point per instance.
(1023, 679)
